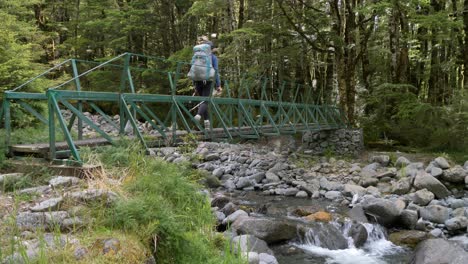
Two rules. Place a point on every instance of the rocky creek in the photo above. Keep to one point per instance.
(280, 208)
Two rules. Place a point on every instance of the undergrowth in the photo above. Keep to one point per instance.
(163, 207)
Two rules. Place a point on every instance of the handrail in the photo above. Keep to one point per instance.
(40, 75)
(88, 71)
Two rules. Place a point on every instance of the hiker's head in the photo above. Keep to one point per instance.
(205, 40)
(202, 40)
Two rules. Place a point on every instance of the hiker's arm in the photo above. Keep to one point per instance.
(215, 66)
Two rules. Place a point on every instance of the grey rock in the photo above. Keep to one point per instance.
(264, 258)
(456, 223)
(252, 258)
(212, 157)
(401, 187)
(268, 229)
(402, 162)
(234, 216)
(48, 205)
(372, 167)
(424, 180)
(218, 172)
(384, 187)
(357, 214)
(423, 197)
(258, 177)
(455, 175)
(436, 172)
(368, 181)
(36, 190)
(94, 195)
(244, 182)
(229, 185)
(442, 163)
(63, 181)
(383, 160)
(389, 173)
(291, 191)
(272, 177)
(10, 177)
(330, 185)
(408, 218)
(462, 211)
(465, 166)
(249, 243)
(435, 213)
(436, 232)
(358, 233)
(46, 220)
(351, 189)
(333, 195)
(438, 250)
(80, 253)
(302, 194)
(384, 211)
(325, 235)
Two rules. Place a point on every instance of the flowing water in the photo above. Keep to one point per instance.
(377, 249)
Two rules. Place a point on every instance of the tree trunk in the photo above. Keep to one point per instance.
(464, 47)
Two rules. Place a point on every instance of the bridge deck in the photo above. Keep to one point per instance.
(43, 149)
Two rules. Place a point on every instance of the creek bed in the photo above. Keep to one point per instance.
(376, 250)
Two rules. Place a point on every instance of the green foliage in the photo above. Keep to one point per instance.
(162, 203)
(396, 113)
(189, 143)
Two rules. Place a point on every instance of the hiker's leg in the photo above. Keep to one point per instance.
(204, 91)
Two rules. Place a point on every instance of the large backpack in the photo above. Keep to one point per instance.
(202, 66)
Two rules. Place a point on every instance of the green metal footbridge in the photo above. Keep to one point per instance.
(117, 90)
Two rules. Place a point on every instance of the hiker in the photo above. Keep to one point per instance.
(203, 87)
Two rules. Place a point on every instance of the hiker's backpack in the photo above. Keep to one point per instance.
(202, 66)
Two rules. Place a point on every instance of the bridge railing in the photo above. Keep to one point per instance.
(248, 108)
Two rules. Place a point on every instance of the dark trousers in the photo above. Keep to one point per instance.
(203, 88)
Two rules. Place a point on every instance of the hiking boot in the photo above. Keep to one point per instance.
(197, 118)
(207, 124)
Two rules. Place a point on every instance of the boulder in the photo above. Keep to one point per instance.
(435, 213)
(436, 172)
(358, 233)
(351, 189)
(383, 211)
(408, 237)
(424, 180)
(383, 160)
(325, 235)
(63, 181)
(357, 214)
(368, 181)
(457, 223)
(455, 175)
(423, 197)
(402, 186)
(438, 250)
(319, 216)
(333, 195)
(268, 229)
(442, 163)
(48, 205)
(402, 162)
(408, 218)
(264, 258)
(234, 216)
(249, 243)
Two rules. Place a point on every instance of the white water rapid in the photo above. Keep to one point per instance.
(376, 250)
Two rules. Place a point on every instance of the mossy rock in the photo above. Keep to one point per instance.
(409, 238)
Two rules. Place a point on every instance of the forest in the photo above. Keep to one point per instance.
(398, 69)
